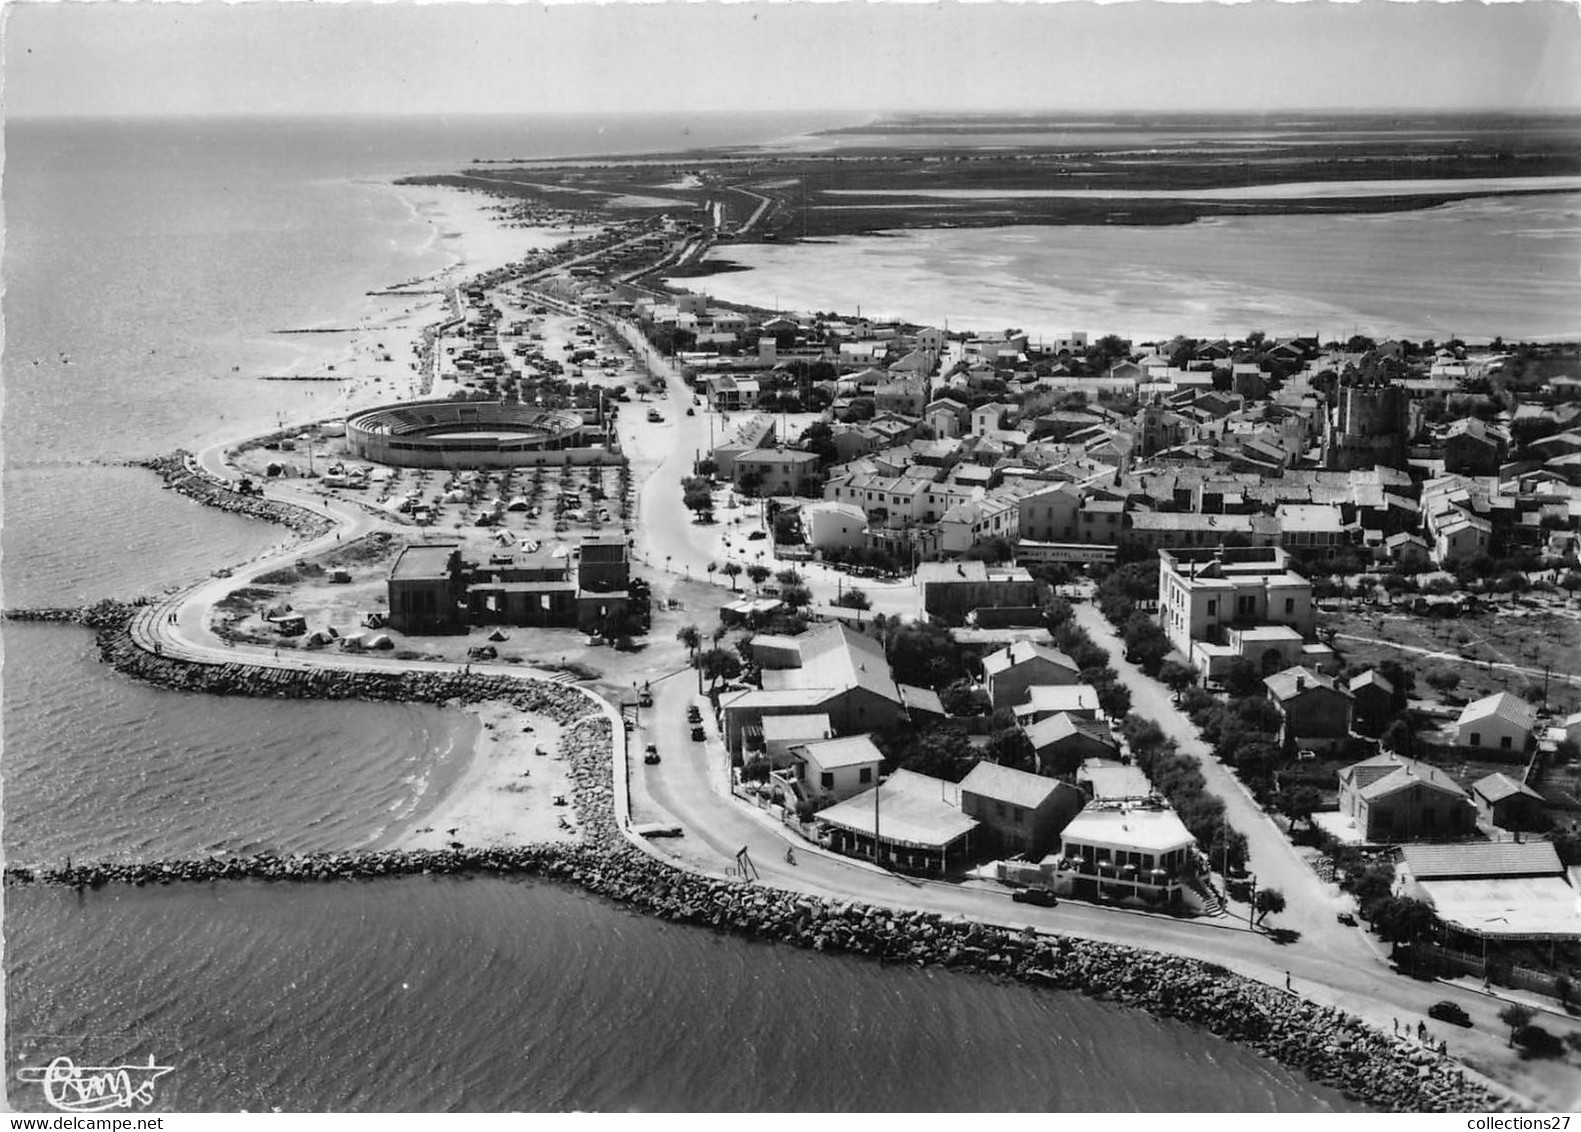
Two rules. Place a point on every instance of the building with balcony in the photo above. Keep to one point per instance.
(1124, 852)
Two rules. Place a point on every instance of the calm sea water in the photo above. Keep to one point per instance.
(445, 994)
(100, 767)
(1505, 266)
(143, 261)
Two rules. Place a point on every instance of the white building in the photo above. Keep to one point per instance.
(1499, 722)
(829, 525)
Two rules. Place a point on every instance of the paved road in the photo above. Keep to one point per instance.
(1329, 963)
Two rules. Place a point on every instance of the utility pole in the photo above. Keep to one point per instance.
(877, 782)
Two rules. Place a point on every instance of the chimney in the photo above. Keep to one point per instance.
(1301, 683)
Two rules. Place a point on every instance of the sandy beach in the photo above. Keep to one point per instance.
(372, 346)
(506, 794)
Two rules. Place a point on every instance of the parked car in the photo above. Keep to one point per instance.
(1447, 1011)
(694, 714)
(1347, 919)
(1042, 897)
(645, 699)
(755, 535)
(698, 734)
(691, 412)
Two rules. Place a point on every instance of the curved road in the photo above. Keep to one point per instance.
(1329, 964)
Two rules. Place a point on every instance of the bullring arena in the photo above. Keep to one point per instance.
(476, 434)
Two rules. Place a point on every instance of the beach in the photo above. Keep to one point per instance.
(506, 793)
(371, 347)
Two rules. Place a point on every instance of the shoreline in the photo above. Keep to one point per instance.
(1328, 1045)
(367, 349)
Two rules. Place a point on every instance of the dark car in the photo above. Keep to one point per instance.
(1347, 919)
(698, 734)
(755, 535)
(1447, 1011)
(694, 714)
(1039, 896)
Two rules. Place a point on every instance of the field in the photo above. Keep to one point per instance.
(1528, 634)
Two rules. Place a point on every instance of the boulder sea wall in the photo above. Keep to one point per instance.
(1329, 1046)
(559, 702)
(179, 470)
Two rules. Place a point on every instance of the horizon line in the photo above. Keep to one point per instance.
(868, 115)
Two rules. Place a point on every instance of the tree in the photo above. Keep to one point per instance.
(854, 599)
(1177, 676)
(1269, 902)
(690, 636)
(1243, 679)
(757, 574)
(1400, 919)
(1516, 1017)
(1010, 747)
(1301, 802)
(795, 595)
(718, 664)
(732, 571)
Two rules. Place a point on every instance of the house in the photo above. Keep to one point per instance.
(1205, 594)
(951, 590)
(1044, 700)
(833, 770)
(1474, 448)
(1109, 781)
(828, 525)
(1460, 536)
(910, 822)
(908, 397)
(782, 732)
(1049, 513)
(965, 525)
(1018, 812)
(1492, 891)
(1392, 798)
(832, 670)
(774, 471)
(1061, 742)
(1317, 713)
(1373, 700)
(1505, 803)
(1012, 670)
(1124, 851)
(427, 589)
(1499, 722)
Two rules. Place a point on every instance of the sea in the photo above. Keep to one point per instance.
(146, 265)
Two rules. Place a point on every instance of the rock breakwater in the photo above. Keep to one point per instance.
(106, 614)
(179, 470)
(1331, 1047)
(559, 702)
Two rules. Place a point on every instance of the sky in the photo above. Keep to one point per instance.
(268, 57)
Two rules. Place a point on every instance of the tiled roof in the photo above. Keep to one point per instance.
(1005, 784)
(1482, 859)
(1501, 705)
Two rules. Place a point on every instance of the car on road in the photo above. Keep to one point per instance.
(691, 412)
(1347, 919)
(1042, 897)
(755, 535)
(694, 714)
(655, 417)
(646, 698)
(698, 734)
(650, 754)
(1447, 1011)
